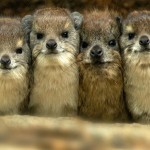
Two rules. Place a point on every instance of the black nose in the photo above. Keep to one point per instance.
(96, 52)
(51, 44)
(144, 40)
(5, 60)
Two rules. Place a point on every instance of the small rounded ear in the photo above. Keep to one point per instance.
(77, 19)
(119, 23)
(27, 25)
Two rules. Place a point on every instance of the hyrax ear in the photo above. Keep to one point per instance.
(119, 23)
(27, 25)
(77, 19)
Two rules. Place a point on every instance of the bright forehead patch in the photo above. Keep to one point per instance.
(66, 25)
(19, 43)
(129, 28)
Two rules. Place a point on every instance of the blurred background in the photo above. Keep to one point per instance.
(23, 7)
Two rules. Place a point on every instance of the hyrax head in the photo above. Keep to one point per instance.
(135, 39)
(53, 31)
(14, 51)
(99, 37)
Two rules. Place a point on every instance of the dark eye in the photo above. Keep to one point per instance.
(39, 36)
(64, 34)
(19, 50)
(131, 36)
(84, 44)
(112, 43)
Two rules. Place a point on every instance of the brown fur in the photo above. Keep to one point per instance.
(137, 65)
(55, 88)
(101, 85)
(14, 82)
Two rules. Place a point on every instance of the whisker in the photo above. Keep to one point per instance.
(128, 46)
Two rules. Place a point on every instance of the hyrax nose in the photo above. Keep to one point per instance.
(144, 40)
(96, 52)
(51, 44)
(5, 60)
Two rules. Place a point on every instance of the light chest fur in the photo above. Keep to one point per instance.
(55, 89)
(13, 91)
(137, 83)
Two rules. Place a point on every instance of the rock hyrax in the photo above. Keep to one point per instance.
(100, 68)
(135, 43)
(14, 67)
(54, 40)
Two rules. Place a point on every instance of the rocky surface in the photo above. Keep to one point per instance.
(35, 133)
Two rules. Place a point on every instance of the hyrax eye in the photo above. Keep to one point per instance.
(131, 36)
(19, 50)
(39, 36)
(64, 34)
(84, 44)
(112, 43)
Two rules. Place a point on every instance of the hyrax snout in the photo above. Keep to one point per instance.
(100, 68)
(14, 67)
(135, 43)
(54, 40)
